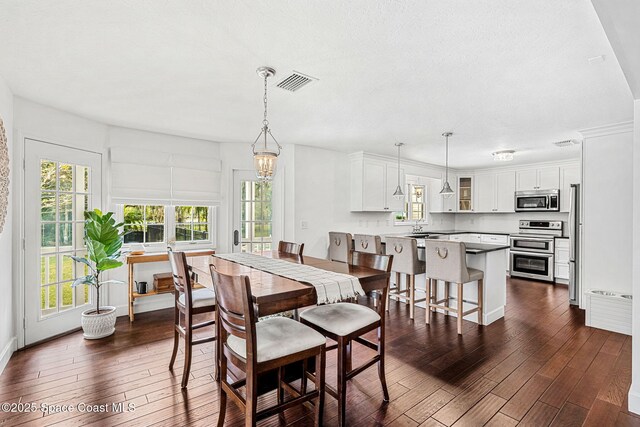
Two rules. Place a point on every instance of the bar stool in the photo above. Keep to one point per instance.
(447, 261)
(367, 243)
(340, 245)
(405, 261)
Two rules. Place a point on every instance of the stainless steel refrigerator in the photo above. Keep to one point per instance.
(575, 228)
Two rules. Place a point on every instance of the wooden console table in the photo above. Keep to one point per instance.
(132, 260)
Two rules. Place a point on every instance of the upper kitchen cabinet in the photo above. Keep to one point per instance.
(373, 183)
(569, 174)
(465, 194)
(543, 178)
(494, 191)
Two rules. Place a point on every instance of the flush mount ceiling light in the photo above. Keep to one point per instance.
(503, 156)
(446, 191)
(398, 194)
(265, 159)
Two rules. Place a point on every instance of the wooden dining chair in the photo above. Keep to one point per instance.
(345, 323)
(290, 248)
(188, 302)
(257, 347)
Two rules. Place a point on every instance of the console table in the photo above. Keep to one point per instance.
(132, 260)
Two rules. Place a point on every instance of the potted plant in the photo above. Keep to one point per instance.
(103, 239)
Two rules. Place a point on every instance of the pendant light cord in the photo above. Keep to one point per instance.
(446, 161)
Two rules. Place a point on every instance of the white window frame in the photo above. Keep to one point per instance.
(414, 181)
(169, 224)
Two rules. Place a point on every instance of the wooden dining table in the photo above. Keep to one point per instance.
(274, 294)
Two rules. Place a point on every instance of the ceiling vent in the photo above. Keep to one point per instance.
(295, 81)
(567, 143)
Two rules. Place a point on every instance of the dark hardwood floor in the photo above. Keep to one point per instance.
(538, 366)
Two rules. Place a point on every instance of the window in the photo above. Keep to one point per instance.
(144, 224)
(416, 203)
(192, 223)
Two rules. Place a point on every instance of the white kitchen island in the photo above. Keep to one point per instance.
(492, 260)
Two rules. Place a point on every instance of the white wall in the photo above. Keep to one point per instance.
(634, 392)
(608, 205)
(7, 302)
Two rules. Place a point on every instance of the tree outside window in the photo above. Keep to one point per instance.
(144, 223)
(192, 223)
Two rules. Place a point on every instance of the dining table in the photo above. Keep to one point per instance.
(275, 294)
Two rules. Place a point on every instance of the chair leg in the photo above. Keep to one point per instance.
(411, 283)
(429, 301)
(252, 400)
(281, 389)
(176, 339)
(381, 373)
(447, 295)
(188, 339)
(303, 380)
(460, 309)
(480, 300)
(222, 394)
(321, 361)
(342, 382)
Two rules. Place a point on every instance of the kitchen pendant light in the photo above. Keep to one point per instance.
(398, 194)
(446, 191)
(265, 159)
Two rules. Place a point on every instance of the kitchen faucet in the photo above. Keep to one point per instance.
(417, 228)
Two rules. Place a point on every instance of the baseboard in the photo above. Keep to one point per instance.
(634, 400)
(7, 352)
(150, 303)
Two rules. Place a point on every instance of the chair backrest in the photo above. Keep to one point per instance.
(447, 260)
(377, 262)
(290, 248)
(405, 255)
(181, 277)
(340, 246)
(235, 311)
(367, 243)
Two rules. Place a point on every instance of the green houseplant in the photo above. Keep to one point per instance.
(103, 238)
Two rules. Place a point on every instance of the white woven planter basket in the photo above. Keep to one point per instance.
(101, 325)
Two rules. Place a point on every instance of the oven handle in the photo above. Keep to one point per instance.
(533, 237)
(542, 254)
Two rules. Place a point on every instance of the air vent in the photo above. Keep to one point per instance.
(567, 143)
(295, 81)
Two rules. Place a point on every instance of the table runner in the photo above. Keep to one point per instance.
(330, 286)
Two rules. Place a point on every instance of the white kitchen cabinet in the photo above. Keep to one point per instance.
(466, 237)
(465, 194)
(373, 183)
(561, 260)
(494, 239)
(440, 204)
(494, 192)
(568, 175)
(543, 178)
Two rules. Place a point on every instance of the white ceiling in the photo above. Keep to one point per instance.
(501, 74)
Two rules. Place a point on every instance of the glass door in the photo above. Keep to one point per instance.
(253, 219)
(60, 184)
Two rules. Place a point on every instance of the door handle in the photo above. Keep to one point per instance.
(236, 237)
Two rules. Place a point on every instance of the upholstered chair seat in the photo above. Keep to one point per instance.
(201, 297)
(341, 318)
(278, 337)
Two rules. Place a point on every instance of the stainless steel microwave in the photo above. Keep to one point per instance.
(537, 201)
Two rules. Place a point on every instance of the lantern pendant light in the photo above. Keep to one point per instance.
(446, 191)
(265, 158)
(398, 194)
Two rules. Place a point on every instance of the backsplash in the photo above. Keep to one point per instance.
(505, 222)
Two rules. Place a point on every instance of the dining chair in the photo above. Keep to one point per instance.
(447, 261)
(340, 246)
(405, 261)
(345, 323)
(290, 248)
(187, 303)
(367, 243)
(258, 347)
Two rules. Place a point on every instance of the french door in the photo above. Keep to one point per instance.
(252, 213)
(60, 183)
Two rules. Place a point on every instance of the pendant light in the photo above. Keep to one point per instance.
(446, 191)
(398, 194)
(265, 159)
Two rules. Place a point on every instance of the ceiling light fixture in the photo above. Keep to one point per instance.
(265, 159)
(503, 156)
(446, 191)
(398, 194)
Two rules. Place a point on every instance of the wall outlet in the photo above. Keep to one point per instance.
(304, 225)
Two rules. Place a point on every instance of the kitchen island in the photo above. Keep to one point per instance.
(486, 257)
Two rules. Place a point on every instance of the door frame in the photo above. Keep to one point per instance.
(18, 211)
